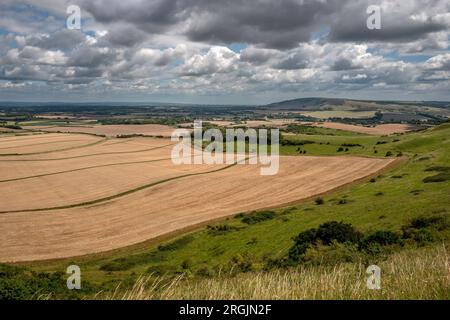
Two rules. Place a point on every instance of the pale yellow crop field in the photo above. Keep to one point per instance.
(113, 130)
(123, 196)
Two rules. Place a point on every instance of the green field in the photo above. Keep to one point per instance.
(248, 244)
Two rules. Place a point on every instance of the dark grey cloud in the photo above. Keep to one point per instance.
(293, 62)
(63, 39)
(414, 20)
(343, 64)
(92, 57)
(124, 35)
(271, 24)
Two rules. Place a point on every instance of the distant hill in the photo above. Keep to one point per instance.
(312, 104)
(306, 103)
(365, 110)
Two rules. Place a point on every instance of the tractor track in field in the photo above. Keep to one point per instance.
(86, 155)
(50, 151)
(119, 195)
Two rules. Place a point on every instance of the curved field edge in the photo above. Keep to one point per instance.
(88, 155)
(56, 150)
(118, 195)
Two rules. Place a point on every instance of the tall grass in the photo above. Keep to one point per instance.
(412, 274)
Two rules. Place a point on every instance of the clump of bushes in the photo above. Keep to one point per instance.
(242, 263)
(379, 238)
(12, 126)
(221, 229)
(160, 270)
(319, 201)
(437, 222)
(126, 263)
(339, 241)
(425, 229)
(438, 168)
(326, 234)
(17, 283)
(440, 177)
(257, 217)
(288, 142)
(351, 145)
(177, 244)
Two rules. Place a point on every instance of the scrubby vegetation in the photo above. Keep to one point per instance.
(257, 217)
(410, 274)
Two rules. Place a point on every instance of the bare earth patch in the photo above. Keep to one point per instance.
(205, 195)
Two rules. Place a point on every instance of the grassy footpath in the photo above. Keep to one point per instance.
(246, 244)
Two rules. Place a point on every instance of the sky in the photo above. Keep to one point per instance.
(223, 51)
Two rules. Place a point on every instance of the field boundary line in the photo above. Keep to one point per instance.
(84, 168)
(88, 155)
(52, 151)
(121, 194)
(38, 144)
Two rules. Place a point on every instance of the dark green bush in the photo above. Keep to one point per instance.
(319, 201)
(126, 263)
(438, 222)
(257, 217)
(440, 177)
(18, 283)
(337, 231)
(438, 168)
(177, 244)
(421, 236)
(221, 229)
(327, 233)
(381, 237)
(351, 145)
(205, 271)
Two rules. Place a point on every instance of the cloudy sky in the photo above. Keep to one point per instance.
(223, 51)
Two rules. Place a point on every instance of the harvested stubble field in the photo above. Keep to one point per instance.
(255, 123)
(381, 129)
(35, 144)
(113, 130)
(122, 192)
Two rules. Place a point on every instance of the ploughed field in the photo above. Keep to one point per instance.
(64, 195)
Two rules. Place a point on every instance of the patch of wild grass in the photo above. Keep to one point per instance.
(410, 274)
